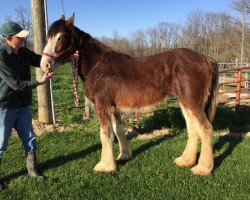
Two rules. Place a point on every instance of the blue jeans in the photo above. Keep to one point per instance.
(21, 120)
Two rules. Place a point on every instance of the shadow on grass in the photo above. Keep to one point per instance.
(231, 119)
(170, 117)
(236, 121)
(150, 144)
(232, 143)
(61, 160)
(56, 162)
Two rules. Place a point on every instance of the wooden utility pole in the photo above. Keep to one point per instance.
(39, 39)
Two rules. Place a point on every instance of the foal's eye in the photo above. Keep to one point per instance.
(60, 38)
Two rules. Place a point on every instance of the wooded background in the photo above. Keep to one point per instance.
(221, 35)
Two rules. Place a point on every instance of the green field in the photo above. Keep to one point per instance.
(67, 158)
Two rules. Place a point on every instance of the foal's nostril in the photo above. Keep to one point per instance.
(48, 67)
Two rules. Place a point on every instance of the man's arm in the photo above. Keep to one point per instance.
(9, 76)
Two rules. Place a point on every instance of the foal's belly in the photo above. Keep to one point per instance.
(149, 107)
(145, 109)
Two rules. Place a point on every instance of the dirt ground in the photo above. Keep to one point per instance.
(40, 128)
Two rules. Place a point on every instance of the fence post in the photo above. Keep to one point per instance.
(239, 73)
(236, 63)
(247, 82)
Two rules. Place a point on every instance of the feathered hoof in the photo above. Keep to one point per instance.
(105, 168)
(181, 162)
(201, 170)
(124, 156)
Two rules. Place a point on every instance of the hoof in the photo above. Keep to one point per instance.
(104, 168)
(124, 156)
(200, 170)
(181, 162)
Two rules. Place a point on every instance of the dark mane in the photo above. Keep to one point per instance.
(87, 45)
(82, 33)
(56, 27)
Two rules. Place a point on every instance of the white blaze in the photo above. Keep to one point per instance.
(47, 61)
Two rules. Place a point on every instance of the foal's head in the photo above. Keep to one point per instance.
(60, 43)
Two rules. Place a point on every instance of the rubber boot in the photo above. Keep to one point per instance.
(31, 164)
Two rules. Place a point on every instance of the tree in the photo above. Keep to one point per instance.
(195, 33)
(139, 43)
(23, 18)
(152, 37)
(243, 7)
(168, 34)
(221, 35)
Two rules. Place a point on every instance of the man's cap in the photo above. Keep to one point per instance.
(12, 28)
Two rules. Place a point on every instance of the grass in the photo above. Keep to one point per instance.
(67, 159)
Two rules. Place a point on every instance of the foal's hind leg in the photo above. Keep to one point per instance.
(118, 128)
(188, 157)
(206, 162)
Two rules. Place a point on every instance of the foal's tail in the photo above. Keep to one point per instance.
(210, 107)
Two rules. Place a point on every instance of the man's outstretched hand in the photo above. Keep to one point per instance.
(46, 76)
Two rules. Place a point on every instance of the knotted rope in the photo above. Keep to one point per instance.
(74, 65)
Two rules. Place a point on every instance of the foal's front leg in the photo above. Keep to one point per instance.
(107, 162)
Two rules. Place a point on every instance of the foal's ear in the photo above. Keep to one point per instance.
(70, 22)
(62, 18)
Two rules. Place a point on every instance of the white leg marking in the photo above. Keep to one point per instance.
(206, 160)
(107, 162)
(188, 157)
(118, 128)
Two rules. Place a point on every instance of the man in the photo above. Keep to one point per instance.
(16, 92)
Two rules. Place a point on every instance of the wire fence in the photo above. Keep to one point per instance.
(232, 65)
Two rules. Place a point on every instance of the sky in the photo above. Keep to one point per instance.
(104, 17)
